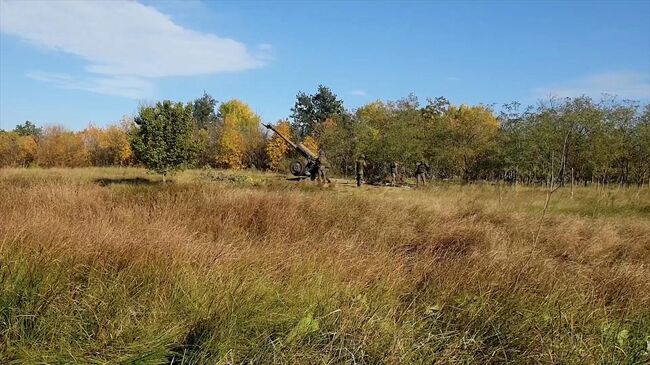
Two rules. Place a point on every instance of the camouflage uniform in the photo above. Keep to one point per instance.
(421, 173)
(360, 166)
(322, 164)
(393, 173)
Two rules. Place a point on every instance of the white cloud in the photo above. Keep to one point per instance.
(452, 78)
(359, 93)
(125, 43)
(630, 85)
(127, 86)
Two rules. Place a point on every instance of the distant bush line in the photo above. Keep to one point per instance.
(608, 140)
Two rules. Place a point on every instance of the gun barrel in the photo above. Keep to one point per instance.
(269, 126)
(300, 147)
(306, 152)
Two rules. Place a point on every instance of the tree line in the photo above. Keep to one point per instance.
(603, 141)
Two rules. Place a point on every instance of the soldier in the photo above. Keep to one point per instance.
(360, 165)
(393, 173)
(421, 169)
(322, 164)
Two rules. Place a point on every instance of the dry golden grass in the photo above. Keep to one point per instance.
(110, 266)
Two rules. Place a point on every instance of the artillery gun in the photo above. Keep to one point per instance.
(300, 168)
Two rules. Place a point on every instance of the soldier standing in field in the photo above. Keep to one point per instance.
(322, 164)
(421, 173)
(360, 166)
(393, 173)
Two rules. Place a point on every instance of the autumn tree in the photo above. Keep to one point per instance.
(26, 150)
(59, 147)
(474, 131)
(239, 138)
(311, 144)
(277, 148)
(108, 146)
(231, 145)
(91, 136)
(162, 139)
(17, 150)
(115, 146)
(7, 148)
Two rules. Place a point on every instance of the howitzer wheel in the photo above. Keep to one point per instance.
(297, 168)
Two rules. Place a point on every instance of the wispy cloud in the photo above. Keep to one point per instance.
(452, 78)
(264, 52)
(631, 85)
(359, 93)
(127, 45)
(126, 86)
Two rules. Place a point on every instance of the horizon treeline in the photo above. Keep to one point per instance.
(604, 141)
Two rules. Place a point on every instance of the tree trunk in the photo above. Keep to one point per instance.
(516, 175)
(572, 183)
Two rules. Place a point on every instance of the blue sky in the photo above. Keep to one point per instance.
(76, 62)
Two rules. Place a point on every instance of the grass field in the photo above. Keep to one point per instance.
(111, 266)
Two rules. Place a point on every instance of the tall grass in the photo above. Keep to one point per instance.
(109, 266)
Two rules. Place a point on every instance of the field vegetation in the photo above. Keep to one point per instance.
(110, 265)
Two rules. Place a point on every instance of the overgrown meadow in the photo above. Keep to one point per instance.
(112, 266)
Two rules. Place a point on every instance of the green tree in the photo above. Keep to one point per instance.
(162, 139)
(390, 131)
(205, 129)
(311, 111)
(437, 131)
(340, 143)
(28, 129)
(203, 112)
(514, 138)
(640, 147)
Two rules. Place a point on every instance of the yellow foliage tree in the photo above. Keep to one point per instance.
(244, 116)
(115, 144)
(26, 150)
(311, 144)
(16, 150)
(231, 145)
(475, 130)
(107, 147)
(91, 136)
(276, 148)
(239, 135)
(7, 148)
(61, 148)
